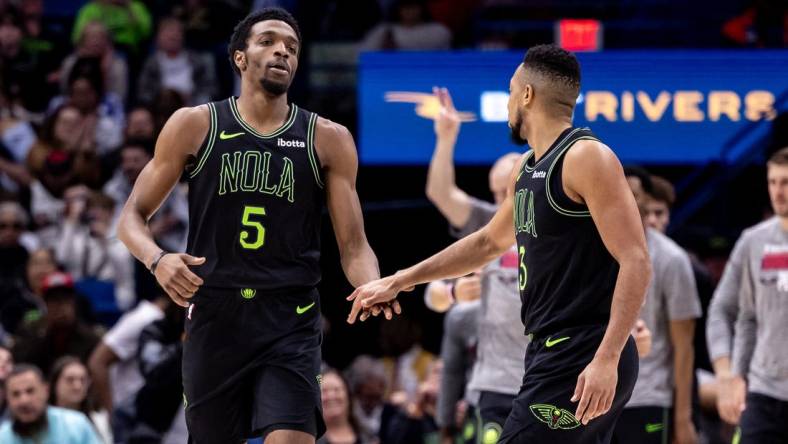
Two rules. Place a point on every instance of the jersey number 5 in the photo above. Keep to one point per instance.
(254, 226)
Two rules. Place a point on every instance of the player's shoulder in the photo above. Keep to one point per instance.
(590, 150)
(191, 115)
(330, 130)
(754, 232)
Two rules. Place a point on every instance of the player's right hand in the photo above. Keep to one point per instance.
(731, 396)
(175, 277)
(447, 123)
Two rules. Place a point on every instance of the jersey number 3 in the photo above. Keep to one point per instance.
(254, 237)
(523, 270)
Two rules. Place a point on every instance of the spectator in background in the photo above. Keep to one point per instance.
(13, 255)
(96, 42)
(31, 419)
(458, 353)
(102, 112)
(169, 224)
(24, 303)
(6, 365)
(411, 29)
(43, 40)
(171, 66)
(60, 332)
(69, 384)
(90, 251)
(156, 412)
(406, 362)
(140, 124)
(341, 426)
(658, 203)
(67, 130)
(16, 138)
(166, 103)
(414, 421)
(114, 364)
(366, 379)
(128, 21)
(23, 74)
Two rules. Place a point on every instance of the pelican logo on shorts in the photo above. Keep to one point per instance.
(554, 417)
(491, 433)
(248, 293)
(290, 143)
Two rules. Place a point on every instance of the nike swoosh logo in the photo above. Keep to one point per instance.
(551, 342)
(651, 428)
(225, 136)
(301, 310)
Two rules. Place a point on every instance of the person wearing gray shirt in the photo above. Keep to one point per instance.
(759, 355)
(498, 371)
(665, 375)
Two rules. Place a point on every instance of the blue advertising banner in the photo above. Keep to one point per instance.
(670, 107)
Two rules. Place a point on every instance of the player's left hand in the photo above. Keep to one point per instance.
(371, 295)
(596, 387)
(684, 432)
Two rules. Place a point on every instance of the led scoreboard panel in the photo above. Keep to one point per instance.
(649, 106)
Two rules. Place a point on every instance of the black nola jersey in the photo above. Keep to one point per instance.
(567, 276)
(255, 202)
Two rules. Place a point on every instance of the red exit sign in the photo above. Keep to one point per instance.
(579, 34)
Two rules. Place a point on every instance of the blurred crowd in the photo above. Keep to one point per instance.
(83, 94)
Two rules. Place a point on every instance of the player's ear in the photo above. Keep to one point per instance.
(527, 95)
(240, 60)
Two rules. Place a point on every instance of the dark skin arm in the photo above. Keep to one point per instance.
(181, 137)
(337, 152)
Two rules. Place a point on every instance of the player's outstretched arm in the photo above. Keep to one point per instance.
(593, 175)
(337, 153)
(181, 137)
(458, 259)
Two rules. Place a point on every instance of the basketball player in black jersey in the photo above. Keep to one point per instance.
(259, 171)
(584, 266)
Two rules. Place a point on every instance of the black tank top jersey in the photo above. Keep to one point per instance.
(255, 202)
(567, 276)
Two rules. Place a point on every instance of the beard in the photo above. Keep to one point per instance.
(274, 88)
(514, 131)
(31, 428)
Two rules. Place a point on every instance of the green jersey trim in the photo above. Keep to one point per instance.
(310, 149)
(558, 146)
(211, 140)
(559, 209)
(288, 123)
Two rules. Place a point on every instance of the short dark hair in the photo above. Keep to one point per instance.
(780, 157)
(139, 142)
(662, 190)
(241, 31)
(554, 62)
(641, 174)
(22, 368)
(88, 68)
